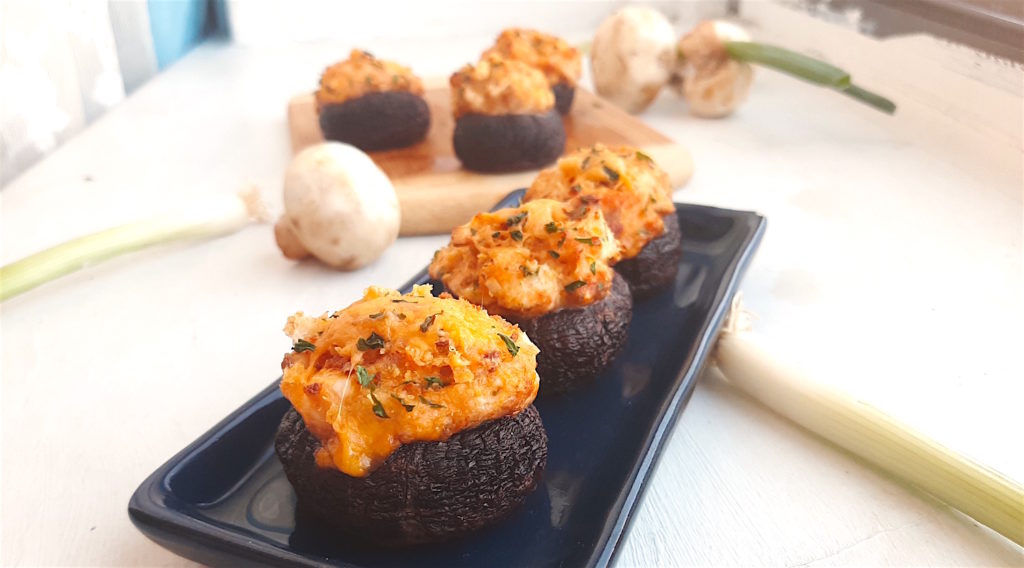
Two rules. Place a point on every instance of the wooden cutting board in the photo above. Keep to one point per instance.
(436, 194)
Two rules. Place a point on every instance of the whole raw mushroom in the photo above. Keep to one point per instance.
(339, 207)
(713, 83)
(632, 57)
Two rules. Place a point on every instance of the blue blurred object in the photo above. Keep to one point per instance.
(177, 26)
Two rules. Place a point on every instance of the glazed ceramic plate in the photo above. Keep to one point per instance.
(224, 499)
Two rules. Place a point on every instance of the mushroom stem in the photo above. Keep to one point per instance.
(806, 68)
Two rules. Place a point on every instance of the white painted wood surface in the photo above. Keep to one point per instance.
(891, 267)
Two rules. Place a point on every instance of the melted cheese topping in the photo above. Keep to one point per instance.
(496, 85)
(530, 260)
(559, 61)
(392, 369)
(362, 74)
(631, 190)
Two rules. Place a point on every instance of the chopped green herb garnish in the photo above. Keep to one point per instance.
(378, 408)
(553, 254)
(430, 404)
(431, 381)
(495, 234)
(576, 188)
(593, 267)
(427, 322)
(403, 301)
(643, 156)
(551, 227)
(588, 240)
(516, 219)
(509, 344)
(612, 174)
(573, 286)
(377, 315)
(407, 407)
(586, 162)
(400, 315)
(517, 235)
(526, 271)
(374, 341)
(364, 377)
(303, 345)
(561, 242)
(472, 231)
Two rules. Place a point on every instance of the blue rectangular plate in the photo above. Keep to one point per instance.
(224, 499)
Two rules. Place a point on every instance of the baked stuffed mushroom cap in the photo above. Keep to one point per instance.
(545, 265)
(372, 104)
(410, 412)
(635, 196)
(560, 62)
(505, 117)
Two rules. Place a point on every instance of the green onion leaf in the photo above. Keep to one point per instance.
(516, 219)
(593, 267)
(551, 227)
(553, 254)
(377, 315)
(806, 68)
(431, 381)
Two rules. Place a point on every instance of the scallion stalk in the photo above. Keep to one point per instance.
(806, 68)
(215, 216)
(975, 490)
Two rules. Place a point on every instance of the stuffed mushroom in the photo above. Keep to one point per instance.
(372, 104)
(505, 117)
(545, 266)
(412, 417)
(560, 62)
(635, 196)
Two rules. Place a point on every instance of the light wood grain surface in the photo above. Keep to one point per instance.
(891, 268)
(435, 193)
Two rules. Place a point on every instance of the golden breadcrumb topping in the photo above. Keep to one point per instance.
(632, 191)
(362, 74)
(392, 369)
(530, 260)
(559, 61)
(495, 85)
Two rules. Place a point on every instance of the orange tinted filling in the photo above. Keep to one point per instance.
(530, 260)
(362, 74)
(632, 191)
(559, 61)
(393, 369)
(495, 85)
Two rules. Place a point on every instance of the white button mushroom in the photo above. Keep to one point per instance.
(713, 83)
(632, 56)
(339, 207)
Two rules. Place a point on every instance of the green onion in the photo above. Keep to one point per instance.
(806, 68)
(218, 215)
(975, 490)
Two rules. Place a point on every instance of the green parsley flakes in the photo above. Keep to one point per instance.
(303, 345)
(509, 344)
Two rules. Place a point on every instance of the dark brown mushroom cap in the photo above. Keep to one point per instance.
(578, 343)
(425, 491)
(508, 142)
(377, 121)
(564, 94)
(655, 267)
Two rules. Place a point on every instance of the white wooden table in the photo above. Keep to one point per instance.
(891, 267)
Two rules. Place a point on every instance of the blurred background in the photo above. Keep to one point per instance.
(63, 63)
